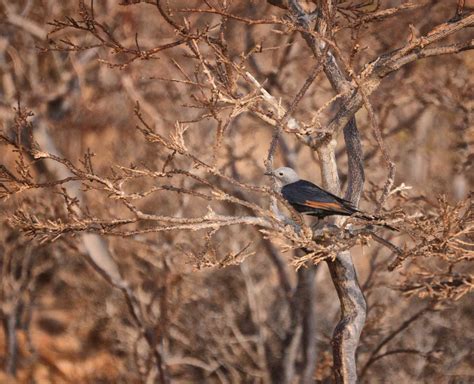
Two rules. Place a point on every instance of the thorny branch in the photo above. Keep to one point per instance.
(222, 89)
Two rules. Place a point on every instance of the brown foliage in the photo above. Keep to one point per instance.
(134, 141)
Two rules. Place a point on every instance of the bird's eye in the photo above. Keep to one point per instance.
(281, 173)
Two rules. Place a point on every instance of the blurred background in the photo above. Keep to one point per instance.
(223, 318)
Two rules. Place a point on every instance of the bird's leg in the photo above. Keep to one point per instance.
(317, 225)
(320, 227)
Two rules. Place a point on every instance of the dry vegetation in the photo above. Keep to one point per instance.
(139, 239)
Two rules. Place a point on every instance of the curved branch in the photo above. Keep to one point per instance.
(353, 306)
(355, 158)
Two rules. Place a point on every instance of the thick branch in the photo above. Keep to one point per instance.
(353, 306)
(355, 162)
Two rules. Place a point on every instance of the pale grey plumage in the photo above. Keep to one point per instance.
(285, 176)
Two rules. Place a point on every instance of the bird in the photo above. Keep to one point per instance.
(310, 199)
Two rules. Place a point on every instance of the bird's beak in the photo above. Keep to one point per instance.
(268, 173)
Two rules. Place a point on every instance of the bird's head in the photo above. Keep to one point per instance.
(284, 175)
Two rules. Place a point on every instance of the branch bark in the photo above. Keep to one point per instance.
(11, 345)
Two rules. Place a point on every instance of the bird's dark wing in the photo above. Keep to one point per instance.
(308, 197)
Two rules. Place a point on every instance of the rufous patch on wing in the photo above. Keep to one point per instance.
(324, 205)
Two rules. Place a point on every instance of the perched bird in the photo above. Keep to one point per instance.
(310, 199)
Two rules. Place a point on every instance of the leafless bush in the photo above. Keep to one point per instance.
(138, 139)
